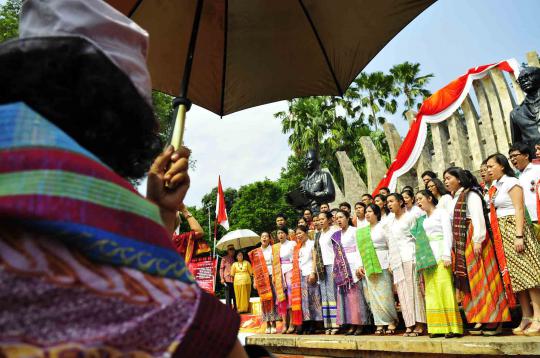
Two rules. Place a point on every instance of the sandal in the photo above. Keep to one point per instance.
(533, 332)
(358, 331)
(328, 331)
(390, 331)
(334, 331)
(267, 331)
(408, 333)
(520, 330)
(379, 331)
(291, 330)
(477, 330)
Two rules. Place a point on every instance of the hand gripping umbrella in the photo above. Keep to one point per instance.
(226, 56)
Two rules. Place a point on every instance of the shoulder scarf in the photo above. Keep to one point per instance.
(367, 251)
(277, 275)
(50, 183)
(499, 248)
(424, 254)
(343, 278)
(460, 229)
(261, 277)
(319, 265)
(296, 288)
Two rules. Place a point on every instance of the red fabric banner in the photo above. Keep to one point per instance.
(437, 108)
(203, 270)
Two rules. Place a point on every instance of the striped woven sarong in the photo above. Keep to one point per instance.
(328, 298)
(486, 301)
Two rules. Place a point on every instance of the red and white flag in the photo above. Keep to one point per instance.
(221, 210)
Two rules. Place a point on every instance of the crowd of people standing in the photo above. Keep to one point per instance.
(455, 245)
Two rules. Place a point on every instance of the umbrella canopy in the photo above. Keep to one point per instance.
(241, 239)
(249, 53)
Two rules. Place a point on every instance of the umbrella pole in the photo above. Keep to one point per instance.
(179, 124)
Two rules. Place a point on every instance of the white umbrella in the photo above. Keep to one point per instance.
(241, 238)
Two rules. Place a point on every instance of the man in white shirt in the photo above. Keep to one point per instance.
(528, 175)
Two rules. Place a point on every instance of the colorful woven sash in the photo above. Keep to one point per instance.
(343, 278)
(424, 254)
(319, 265)
(367, 251)
(460, 230)
(296, 287)
(499, 248)
(261, 277)
(50, 183)
(277, 275)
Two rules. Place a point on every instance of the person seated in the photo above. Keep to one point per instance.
(86, 263)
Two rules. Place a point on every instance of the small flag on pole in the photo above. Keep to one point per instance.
(221, 210)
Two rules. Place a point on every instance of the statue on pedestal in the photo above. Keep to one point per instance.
(525, 118)
(316, 188)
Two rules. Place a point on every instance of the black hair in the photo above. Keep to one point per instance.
(383, 198)
(503, 161)
(284, 229)
(428, 194)
(384, 188)
(345, 204)
(459, 173)
(523, 148)
(75, 86)
(409, 192)
(398, 196)
(328, 215)
(304, 211)
(439, 185)
(484, 162)
(429, 173)
(346, 214)
(360, 203)
(281, 215)
(376, 210)
(302, 228)
(325, 204)
(334, 210)
(368, 195)
(407, 188)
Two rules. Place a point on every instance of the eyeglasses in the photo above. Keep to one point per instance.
(515, 155)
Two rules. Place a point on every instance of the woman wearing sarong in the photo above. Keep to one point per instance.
(261, 261)
(442, 310)
(403, 265)
(518, 250)
(352, 309)
(87, 267)
(475, 268)
(285, 259)
(372, 242)
(241, 271)
(304, 267)
(324, 264)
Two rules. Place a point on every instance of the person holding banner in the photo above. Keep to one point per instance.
(436, 228)
(241, 272)
(372, 242)
(261, 259)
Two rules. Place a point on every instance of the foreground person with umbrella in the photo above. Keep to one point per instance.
(86, 264)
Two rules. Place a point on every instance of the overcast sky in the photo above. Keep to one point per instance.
(447, 39)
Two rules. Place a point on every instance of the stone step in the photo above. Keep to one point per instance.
(396, 346)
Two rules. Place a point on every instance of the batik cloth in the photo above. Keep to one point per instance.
(311, 301)
(442, 310)
(410, 296)
(86, 266)
(352, 307)
(380, 296)
(524, 267)
(328, 298)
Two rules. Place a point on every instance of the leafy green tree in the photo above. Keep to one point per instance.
(9, 19)
(411, 84)
(292, 174)
(257, 205)
(375, 93)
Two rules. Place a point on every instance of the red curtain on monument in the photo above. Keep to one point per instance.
(436, 109)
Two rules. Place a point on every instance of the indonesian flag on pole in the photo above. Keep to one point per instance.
(221, 211)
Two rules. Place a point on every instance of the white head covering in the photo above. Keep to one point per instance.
(123, 41)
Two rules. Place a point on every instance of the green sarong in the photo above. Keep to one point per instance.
(424, 255)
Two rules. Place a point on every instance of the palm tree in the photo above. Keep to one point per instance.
(307, 120)
(410, 84)
(374, 93)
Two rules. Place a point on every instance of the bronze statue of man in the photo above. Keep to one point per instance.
(316, 188)
(525, 118)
